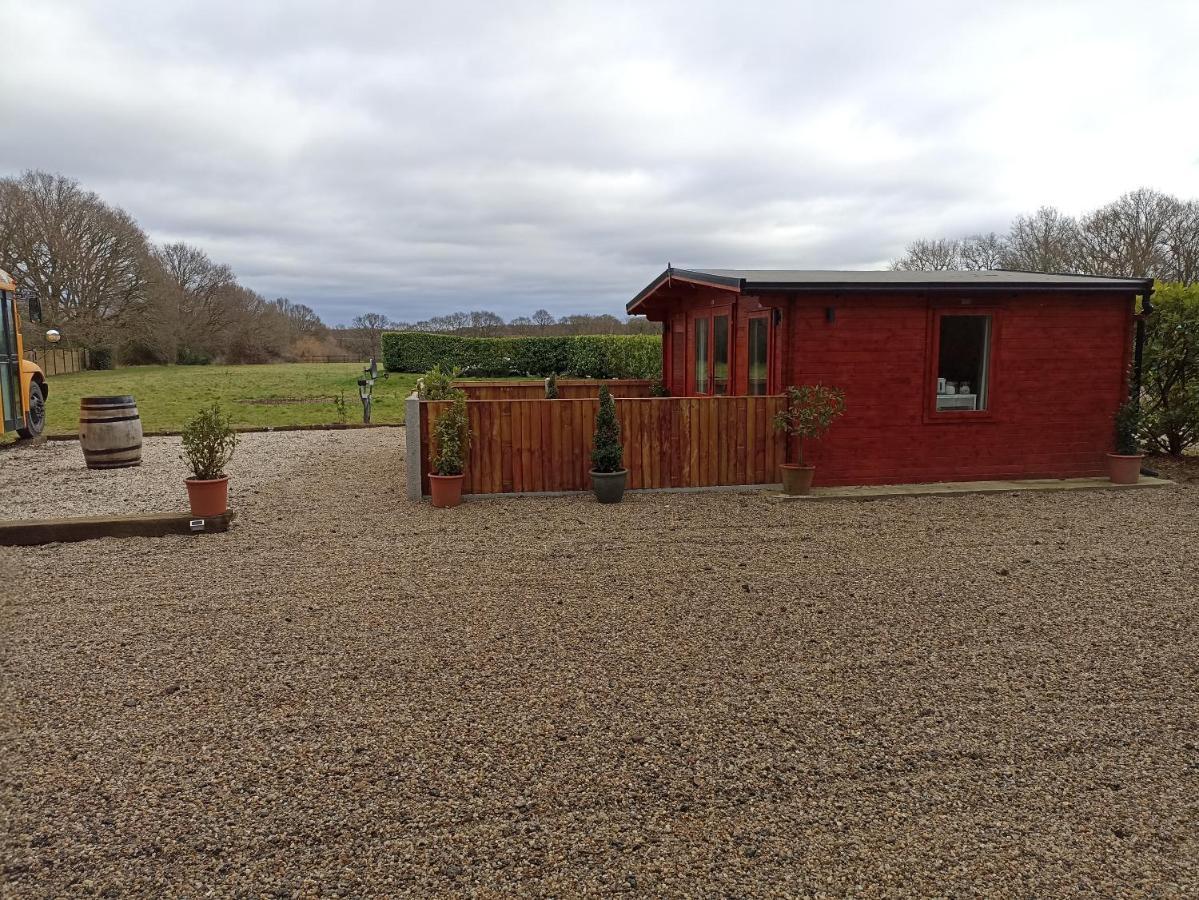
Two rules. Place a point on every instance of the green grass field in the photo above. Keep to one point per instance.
(282, 394)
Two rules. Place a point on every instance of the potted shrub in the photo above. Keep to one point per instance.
(451, 441)
(208, 444)
(438, 384)
(810, 410)
(608, 474)
(1124, 466)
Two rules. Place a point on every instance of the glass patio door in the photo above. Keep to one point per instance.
(757, 355)
(710, 353)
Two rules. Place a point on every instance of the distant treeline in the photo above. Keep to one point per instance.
(483, 323)
(367, 330)
(108, 288)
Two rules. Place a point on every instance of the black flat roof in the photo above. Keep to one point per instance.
(741, 280)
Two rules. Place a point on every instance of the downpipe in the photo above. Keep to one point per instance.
(1138, 359)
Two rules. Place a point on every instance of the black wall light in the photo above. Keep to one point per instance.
(830, 314)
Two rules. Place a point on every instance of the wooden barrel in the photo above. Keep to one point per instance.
(110, 432)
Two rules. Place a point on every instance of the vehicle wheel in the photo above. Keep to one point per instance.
(36, 420)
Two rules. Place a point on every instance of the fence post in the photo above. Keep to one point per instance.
(412, 445)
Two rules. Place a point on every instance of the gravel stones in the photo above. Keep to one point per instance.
(708, 694)
(51, 479)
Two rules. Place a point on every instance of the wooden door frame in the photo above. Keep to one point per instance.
(710, 313)
(743, 347)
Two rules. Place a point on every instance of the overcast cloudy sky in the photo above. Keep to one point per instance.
(413, 158)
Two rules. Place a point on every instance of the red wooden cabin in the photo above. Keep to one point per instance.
(948, 376)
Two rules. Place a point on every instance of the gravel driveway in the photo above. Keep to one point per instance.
(52, 479)
(705, 694)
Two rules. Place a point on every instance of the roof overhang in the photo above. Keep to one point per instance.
(636, 306)
(684, 276)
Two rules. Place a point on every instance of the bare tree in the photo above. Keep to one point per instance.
(1046, 241)
(930, 255)
(301, 320)
(257, 332)
(188, 317)
(542, 319)
(982, 252)
(372, 326)
(1128, 236)
(485, 323)
(1182, 244)
(641, 325)
(86, 261)
(452, 322)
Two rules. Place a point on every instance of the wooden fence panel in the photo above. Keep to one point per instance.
(58, 360)
(525, 446)
(427, 411)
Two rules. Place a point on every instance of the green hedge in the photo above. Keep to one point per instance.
(99, 359)
(586, 356)
(617, 356)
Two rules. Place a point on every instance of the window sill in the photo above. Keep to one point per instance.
(958, 417)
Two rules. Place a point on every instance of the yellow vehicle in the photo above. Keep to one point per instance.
(22, 384)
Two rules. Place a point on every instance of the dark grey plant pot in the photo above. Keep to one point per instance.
(609, 486)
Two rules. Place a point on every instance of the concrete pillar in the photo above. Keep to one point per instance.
(412, 445)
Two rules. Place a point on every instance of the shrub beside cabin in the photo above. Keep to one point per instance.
(948, 376)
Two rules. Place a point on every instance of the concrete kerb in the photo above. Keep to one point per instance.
(249, 429)
(965, 489)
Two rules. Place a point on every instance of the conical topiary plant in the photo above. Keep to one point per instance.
(608, 474)
(1128, 428)
(606, 453)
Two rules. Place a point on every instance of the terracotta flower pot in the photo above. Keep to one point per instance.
(445, 491)
(609, 486)
(1124, 469)
(208, 497)
(797, 480)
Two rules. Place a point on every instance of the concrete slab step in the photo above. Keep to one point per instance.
(962, 488)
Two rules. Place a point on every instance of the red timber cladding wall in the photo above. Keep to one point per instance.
(674, 375)
(1058, 375)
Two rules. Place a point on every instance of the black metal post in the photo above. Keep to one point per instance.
(1138, 351)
